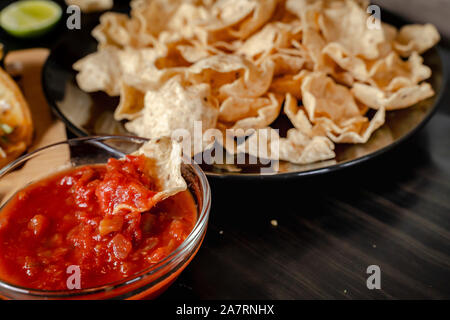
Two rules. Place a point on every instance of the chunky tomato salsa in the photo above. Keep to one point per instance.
(100, 218)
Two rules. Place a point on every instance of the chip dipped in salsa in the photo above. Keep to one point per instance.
(103, 219)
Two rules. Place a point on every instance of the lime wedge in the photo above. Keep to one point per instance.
(30, 18)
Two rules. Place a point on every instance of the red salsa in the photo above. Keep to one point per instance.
(100, 218)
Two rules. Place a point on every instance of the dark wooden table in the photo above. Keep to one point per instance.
(393, 212)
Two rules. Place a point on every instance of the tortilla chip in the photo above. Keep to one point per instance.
(416, 38)
(255, 81)
(347, 61)
(144, 69)
(301, 150)
(186, 18)
(296, 115)
(322, 97)
(227, 13)
(296, 148)
(286, 63)
(153, 15)
(131, 103)
(357, 130)
(231, 19)
(113, 30)
(273, 36)
(289, 84)
(314, 43)
(335, 112)
(392, 73)
(262, 116)
(260, 15)
(299, 7)
(175, 106)
(100, 71)
(405, 97)
(164, 157)
(390, 33)
(345, 22)
(243, 78)
(235, 108)
(305, 10)
(193, 51)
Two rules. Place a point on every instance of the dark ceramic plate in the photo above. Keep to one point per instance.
(92, 113)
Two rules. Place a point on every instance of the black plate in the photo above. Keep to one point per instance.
(92, 113)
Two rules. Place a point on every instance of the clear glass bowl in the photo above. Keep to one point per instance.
(148, 283)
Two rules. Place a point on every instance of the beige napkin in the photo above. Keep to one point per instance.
(26, 65)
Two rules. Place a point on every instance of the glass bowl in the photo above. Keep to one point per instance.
(148, 283)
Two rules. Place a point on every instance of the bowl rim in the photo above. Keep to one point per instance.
(193, 238)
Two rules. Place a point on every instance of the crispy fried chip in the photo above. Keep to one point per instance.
(131, 103)
(143, 69)
(231, 19)
(273, 36)
(347, 61)
(357, 130)
(300, 149)
(297, 115)
(286, 64)
(185, 19)
(99, 71)
(175, 106)
(193, 51)
(255, 82)
(114, 29)
(416, 38)
(247, 79)
(260, 15)
(164, 158)
(289, 84)
(392, 73)
(405, 97)
(322, 97)
(334, 110)
(153, 15)
(235, 108)
(260, 116)
(296, 148)
(344, 22)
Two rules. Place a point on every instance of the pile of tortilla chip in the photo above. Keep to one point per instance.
(237, 64)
